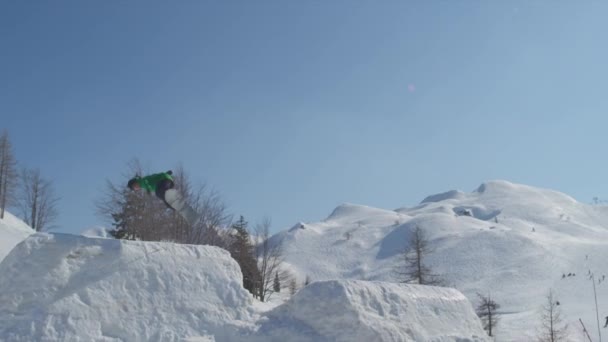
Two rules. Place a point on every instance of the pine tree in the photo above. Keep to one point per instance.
(243, 252)
(124, 219)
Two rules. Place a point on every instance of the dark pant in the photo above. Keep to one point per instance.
(162, 187)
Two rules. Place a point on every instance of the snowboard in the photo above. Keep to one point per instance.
(175, 200)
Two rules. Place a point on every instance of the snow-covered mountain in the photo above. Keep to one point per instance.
(512, 241)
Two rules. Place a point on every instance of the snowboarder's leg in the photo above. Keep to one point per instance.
(161, 189)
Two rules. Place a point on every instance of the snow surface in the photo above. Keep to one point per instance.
(58, 287)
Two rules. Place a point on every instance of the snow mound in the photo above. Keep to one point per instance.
(57, 287)
(342, 310)
(12, 231)
(352, 211)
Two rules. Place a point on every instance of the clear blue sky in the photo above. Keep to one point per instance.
(290, 108)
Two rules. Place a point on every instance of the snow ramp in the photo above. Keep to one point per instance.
(58, 287)
(350, 310)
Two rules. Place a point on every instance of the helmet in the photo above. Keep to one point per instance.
(132, 182)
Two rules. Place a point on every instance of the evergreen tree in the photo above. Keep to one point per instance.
(125, 219)
(243, 252)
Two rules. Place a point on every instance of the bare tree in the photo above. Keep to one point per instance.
(8, 173)
(37, 200)
(552, 327)
(413, 269)
(487, 312)
(270, 257)
(214, 216)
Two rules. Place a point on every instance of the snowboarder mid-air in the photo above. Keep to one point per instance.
(157, 183)
(162, 185)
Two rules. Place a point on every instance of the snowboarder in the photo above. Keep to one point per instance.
(605, 325)
(158, 183)
(162, 185)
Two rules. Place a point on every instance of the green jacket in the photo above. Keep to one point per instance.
(149, 183)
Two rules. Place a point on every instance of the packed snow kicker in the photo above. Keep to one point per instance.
(512, 241)
(64, 287)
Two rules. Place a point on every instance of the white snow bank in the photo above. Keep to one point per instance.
(12, 231)
(57, 287)
(342, 310)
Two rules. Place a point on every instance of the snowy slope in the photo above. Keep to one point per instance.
(12, 231)
(510, 240)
